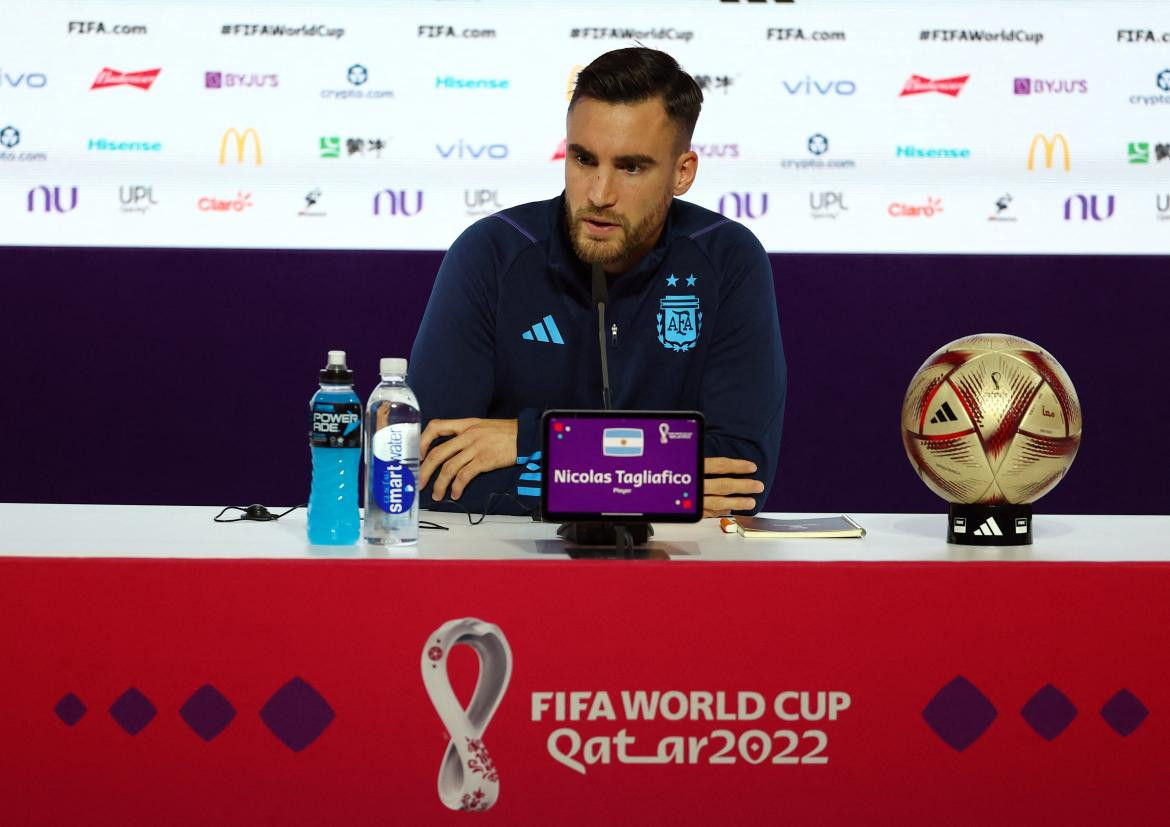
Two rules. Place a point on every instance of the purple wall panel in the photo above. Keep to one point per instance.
(183, 376)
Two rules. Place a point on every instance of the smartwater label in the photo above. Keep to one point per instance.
(393, 479)
(336, 425)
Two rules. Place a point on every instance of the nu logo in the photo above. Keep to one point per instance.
(396, 202)
(241, 141)
(1049, 150)
(1088, 208)
(544, 331)
(743, 204)
(52, 199)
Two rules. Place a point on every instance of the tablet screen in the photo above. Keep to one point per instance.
(623, 464)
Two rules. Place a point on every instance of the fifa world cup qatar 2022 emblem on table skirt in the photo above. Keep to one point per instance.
(991, 423)
(468, 779)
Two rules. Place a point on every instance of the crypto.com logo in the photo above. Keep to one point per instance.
(1049, 150)
(241, 140)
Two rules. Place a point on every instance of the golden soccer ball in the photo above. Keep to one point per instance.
(991, 419)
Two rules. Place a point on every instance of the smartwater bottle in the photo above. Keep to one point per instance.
(335, 441)
(392, 423)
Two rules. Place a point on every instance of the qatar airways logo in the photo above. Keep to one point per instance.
(108, 77)
(918, 85)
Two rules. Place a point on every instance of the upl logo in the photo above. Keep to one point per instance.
(241, 142)
(1049, 144)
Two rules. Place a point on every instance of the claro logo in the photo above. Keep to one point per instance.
(241, 140)
(1049, 150)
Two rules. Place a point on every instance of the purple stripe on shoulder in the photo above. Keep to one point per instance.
(706, 230)
(518, 228)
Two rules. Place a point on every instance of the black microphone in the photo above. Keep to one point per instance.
(600, 297)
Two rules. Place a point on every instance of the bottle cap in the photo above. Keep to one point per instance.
(390, 366)
(336, 373)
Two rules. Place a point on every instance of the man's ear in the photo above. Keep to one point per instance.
(685, 170)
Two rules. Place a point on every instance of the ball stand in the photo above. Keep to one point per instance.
(974, 524)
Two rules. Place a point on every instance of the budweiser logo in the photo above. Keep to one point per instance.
(112, 77)
(945, 86)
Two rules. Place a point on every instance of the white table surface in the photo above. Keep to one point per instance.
(40, 530)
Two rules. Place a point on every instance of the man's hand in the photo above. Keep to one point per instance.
(479, 445)
(722, 495)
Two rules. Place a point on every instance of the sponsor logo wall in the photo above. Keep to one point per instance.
(833, 126)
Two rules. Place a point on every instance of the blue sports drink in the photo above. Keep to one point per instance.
(335, 439)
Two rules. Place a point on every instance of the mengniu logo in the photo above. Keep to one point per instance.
(918, 85)
(1090, 207)
(241, 142)
(108, 77)
(1050, 144)
(27, 80)
(739, 205)
(930, 209)
(397, 202)
(1139, 152)
(50, 199)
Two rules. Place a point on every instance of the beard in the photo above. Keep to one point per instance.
(612, 251)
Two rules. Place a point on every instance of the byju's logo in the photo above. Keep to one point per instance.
(108, 77)
(1050, 144)
(397, 202)
(136, 198)
(452, 82)
(1162, 82)
(918, 85)
(242, 201)
(909, 151)
(811, 87)
(51, 200)
(930, 209)
(716, 150)
(1139, 152)
(331, 146)
(827, 204)
(1039, 86)
(1090, 208)
(739, 205)
(312, 199)
(241, 140)
(234, 80)
(1002, 204)
(482, 202)
(23, 80)
(471, 152)
(357, 75)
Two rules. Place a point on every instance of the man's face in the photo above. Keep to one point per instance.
(622, 168)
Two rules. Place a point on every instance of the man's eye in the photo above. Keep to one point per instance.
(631, 168)
(584, 160)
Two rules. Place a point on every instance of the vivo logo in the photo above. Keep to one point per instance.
(743, 204)
(463, 150)
(1088, 208)
(396, 202)
(808, 86)
(52, 199)
(30, 80)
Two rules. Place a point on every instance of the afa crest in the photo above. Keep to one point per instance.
(679, 322)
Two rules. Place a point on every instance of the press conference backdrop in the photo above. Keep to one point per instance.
(198, 200)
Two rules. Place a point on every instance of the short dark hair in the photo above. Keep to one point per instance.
(637, 74)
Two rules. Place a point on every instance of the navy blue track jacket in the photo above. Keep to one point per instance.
(510, 331)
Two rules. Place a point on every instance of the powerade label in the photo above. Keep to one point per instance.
(336, 425)
(393, 480)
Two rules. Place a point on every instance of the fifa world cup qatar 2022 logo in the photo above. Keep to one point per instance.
(468, 779)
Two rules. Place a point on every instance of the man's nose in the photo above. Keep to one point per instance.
(602, 192)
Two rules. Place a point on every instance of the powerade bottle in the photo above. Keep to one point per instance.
(392, 423)
(335, 440)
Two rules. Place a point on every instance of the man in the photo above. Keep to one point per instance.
(511, 328)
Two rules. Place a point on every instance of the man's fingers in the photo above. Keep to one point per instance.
(730, 485)
(450, 468)
(437, 457)
(718, 506)
(466, 474)
(727, 465)
(440, 427)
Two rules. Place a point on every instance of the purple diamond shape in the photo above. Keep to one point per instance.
(207, 712)
(1049, 712)
(133, 711)
(1124, 712)
(959, 713)
(70, 709)
(297, 714)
